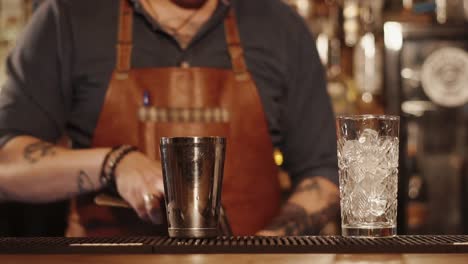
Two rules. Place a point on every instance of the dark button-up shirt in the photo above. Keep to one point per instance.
(59, 71)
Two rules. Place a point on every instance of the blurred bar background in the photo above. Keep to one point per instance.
(402, 57)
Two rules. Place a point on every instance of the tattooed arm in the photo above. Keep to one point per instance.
(313, 204)
(35, 171)
(32, 170)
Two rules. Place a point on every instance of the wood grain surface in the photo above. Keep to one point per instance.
(240, 258)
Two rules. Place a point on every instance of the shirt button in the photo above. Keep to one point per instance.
(184, 64)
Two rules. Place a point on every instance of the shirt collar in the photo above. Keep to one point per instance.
(217, 17)
(138, 6)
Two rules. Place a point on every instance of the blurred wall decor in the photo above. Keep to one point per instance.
(427, 80)
(409, 58)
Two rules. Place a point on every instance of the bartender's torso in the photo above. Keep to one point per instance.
(62, 64)
(69, 77)
(144, 104)
(93, 36)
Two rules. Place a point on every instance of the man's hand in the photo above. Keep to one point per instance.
(139, 181)
(313, 204)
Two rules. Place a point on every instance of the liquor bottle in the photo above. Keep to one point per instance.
(411, 11)
(340, 87)
(351, 22)
(368, 56)
(450, 11)
(465, 9)
(440, 11)
(322, 18)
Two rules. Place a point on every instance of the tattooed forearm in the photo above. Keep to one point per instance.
(312, 205)
(308, 186)
(84, 183)
(294, 220)
(38, 150)
(291, 220)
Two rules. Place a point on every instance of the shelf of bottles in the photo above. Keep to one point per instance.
(353, 38)
(349, 41)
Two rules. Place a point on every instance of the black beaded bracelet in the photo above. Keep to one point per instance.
(110, 163)
(103, 175)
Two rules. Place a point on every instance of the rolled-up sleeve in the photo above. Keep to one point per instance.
(32, 98)
(309, 140)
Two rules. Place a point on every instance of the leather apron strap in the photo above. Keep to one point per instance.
(125, 43)
(125, 40)
(234, 47)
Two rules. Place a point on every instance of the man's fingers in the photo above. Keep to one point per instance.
(156, 215)
(153, 207)
(137, 201)
(151, 200)
(142, 212)
(154, 180)
(140, 183)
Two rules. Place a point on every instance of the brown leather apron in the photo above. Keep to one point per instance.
(186, 102)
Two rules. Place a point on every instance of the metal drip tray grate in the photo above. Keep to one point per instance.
(304, 244)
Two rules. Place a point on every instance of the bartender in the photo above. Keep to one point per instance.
(246, 70)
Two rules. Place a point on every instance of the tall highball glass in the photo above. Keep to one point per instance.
(368, 169)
